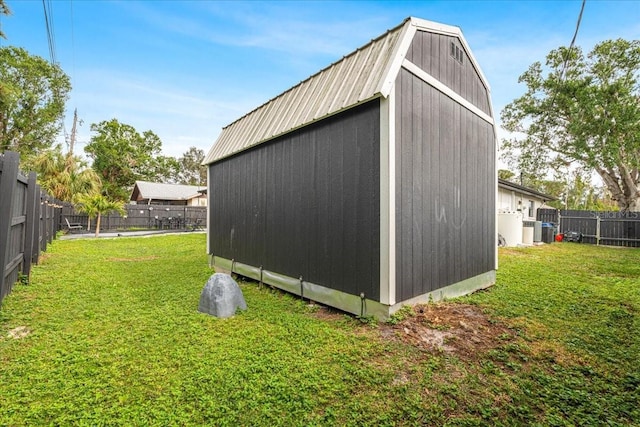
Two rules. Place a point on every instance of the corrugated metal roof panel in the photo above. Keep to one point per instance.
(158, 191)
(344, 83)
(360, 76)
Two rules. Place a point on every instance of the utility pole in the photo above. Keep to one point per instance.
(72, 140)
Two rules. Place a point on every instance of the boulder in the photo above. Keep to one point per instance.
(221, 296)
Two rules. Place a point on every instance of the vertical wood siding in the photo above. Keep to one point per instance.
(432, 53)
(445, 198)
(306, 204)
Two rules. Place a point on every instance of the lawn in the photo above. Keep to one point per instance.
(112, 336)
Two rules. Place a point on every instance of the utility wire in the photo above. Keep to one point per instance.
(573, 41)
(73, 46)
(568, 52)
(48, 21)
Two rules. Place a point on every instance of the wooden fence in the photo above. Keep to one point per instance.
(598, 227)
(29, 220)
(141, 217)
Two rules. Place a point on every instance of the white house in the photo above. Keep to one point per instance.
(517, 206)
(518, 198)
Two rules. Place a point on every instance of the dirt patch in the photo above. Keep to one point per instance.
(142, 258)
(19, 332)
(324, 312)
(462, 330)
(458, 329)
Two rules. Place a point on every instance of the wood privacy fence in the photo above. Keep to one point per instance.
(140, 217)
(29, 220)
(599, 227)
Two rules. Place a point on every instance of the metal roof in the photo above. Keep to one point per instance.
(508, 185)
(157, 191)
(367, 73)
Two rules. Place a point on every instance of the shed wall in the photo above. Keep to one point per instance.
(432, 53)
(445, 190)
(306, 204)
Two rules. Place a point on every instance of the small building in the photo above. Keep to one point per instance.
(153, 193)
(518, 198)
(371, 184)
(517, 207)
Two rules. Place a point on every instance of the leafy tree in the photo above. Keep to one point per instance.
(95, 205)
(506, 174)
(572, 190)
(32, 98)
(191, 171)
(4, 10)
(586, 112)
(64, 176)
(121, 156)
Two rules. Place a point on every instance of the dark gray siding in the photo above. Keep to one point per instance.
(445, 198)
(306, 204)
(432, 53)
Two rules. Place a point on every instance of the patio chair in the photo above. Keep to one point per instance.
(196, 224)
(73, 225)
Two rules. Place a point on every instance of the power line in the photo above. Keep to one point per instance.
(567, 53)
(73, 46)
(573, 41)
(48, 21)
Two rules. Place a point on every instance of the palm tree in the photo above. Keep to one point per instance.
(4, 10)
(95, 205)
(64, 176)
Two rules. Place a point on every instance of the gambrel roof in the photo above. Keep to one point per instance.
(367, 73)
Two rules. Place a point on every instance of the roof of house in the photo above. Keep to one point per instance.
(522, 189)
(367, 73)
(157, 191)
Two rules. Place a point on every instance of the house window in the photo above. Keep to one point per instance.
(456, 52)
(532, 211)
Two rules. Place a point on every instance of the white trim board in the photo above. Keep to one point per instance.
(388, 199)
(432, 81)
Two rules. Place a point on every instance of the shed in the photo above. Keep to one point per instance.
(371, 184)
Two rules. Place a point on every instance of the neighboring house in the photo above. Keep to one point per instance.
(369, 185)
(152, 193)
(517, 198)
(517, 206)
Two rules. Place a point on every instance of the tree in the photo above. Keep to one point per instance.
(191, 171)
(95, 205)
(585, 112)
(4, 10)
(506, 174)
(121, 156)
(65, 177)
(32, 98)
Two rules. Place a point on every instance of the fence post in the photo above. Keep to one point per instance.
(597, 230)
(9, 178)
(31, 222)
(37, 227)
(44, 233)
(559, 222)
(51, 217)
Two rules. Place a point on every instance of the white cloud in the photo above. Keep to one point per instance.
(181, 118)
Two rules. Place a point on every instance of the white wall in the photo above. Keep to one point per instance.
(514, 201)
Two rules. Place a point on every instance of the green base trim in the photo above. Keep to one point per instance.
(342, 300)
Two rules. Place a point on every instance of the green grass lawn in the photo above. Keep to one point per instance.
(115, 339)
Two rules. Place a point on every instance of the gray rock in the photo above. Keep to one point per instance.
(221, 296)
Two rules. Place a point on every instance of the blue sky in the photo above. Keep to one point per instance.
(185, 69)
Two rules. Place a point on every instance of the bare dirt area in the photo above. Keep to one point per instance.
(462, 330)
(458, 329)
